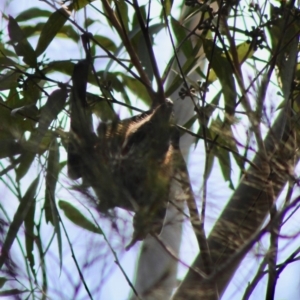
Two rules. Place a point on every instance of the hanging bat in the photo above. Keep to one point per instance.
(128, 163)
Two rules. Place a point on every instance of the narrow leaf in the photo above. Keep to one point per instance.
(63, 66)
(223, 69)
(20, 43)
(51, 212)
(51, 181)
(122, 14)
(32, 13)
(2, 281)
(9, 147)
(244, 50)
(168, 6)
(12, 292)
(30, 236)
(180, 34)
(9, 80)
(19, 217)
(106, 42)
(79, 4)
(225, 163)
(51, 28)
(26, 160)
(75, 216)
(177, 81)
(54, 105)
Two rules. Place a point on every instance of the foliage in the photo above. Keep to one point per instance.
(249, 51)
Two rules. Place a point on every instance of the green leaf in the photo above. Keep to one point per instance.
(223, 131)
(136, 87)
(122, 14)
(79, 4)
(244, 50)
(2, 281)
(101, 107)
(13, 127)
(9, 147)
(19, 217)
(223, 69)
(12, 292)
(63, 66)
(30, 236)
(177, 81)
(51, 28)
(51, 212)
(4, 52)
(224, 161)
(142, 49)
(143, 13)
(75, 216)
(27, 158)
(31, 30)
(32, 91)
(68, 31)
(168, 6)
(46, 142)
(54, 105)
(210, 162)
(20, 43)
(51, 181)
(282, 43)
(5, 62)
(204, 113)
(32, 13)
(9, 80)
(180, 34)
(106, 42)
(13, 99)
(190, 122)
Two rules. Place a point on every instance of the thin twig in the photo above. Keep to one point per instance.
(115, 256)
(74, 257)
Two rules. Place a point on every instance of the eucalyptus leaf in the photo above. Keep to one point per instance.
(2, 281)
(12, 292)
(9, 80)
(32, 13)
(54, 105)
(51, 28)
(223, 69)
(245, 50)
(122, 14)
(76, 217)
(63, 66)
(185, 44)
(79, 4)
(30, 236)
(26, 160)
(21, 44)
(19, 217)
(51, 181)
(106, 42)
(51, 211)
(168, 6)
(178, 80)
